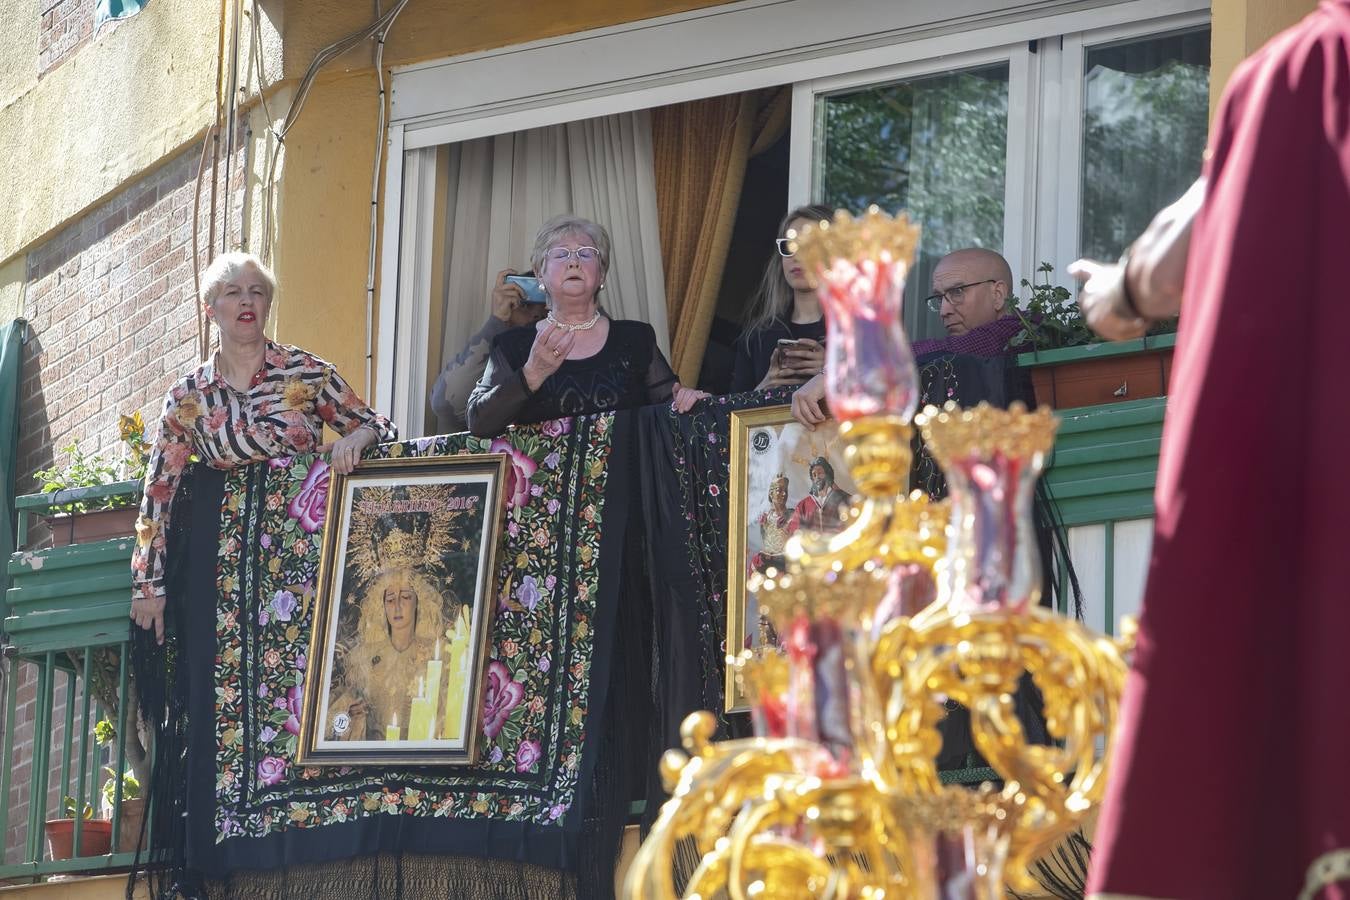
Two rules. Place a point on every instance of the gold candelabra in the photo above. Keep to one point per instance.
(912, 605)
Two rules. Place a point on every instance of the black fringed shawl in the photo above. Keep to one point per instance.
(230, 802)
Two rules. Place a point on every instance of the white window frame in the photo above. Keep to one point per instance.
(1066, 192)
(803, 173)
(704, 53)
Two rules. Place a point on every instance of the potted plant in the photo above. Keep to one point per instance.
(80, 519)
(131, 804)
(95, 834)
(1070, 366)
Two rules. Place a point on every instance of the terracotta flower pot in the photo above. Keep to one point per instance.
(99, 525)
(133, 814)
(1096, 374)
(95, 838)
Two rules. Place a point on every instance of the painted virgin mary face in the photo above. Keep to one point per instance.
(400, 612)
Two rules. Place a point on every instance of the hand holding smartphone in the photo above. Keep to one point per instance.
(799, 358)
(530, 287)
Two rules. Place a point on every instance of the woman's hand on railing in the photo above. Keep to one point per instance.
(684, 398)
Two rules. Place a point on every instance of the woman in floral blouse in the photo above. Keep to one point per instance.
(254, 400)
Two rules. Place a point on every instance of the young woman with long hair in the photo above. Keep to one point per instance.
(784, 341)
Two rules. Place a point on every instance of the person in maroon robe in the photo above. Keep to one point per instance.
(1232, 778)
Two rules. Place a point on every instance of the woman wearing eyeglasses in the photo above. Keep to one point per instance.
(784, 342)
(576, 360)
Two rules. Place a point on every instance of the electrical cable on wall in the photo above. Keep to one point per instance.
(378, 29)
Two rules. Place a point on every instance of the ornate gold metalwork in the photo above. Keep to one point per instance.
(867, 815)
(952, 433)
(873, 235)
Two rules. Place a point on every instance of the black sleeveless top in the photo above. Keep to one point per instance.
(628, 371)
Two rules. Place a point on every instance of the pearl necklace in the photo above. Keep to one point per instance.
(584, 326)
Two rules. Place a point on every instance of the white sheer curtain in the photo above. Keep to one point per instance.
(501, 189)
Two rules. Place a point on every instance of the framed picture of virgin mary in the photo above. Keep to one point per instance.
(405, 599)
(784, 479)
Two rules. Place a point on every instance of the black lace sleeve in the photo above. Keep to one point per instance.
(660, 377)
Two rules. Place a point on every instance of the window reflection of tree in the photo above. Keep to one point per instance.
(935, 146)
(1145, 121)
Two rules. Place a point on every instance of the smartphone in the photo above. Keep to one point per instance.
(789, 342)
(529, 286)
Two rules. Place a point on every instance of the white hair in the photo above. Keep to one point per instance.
(226, 267)
(557, 227)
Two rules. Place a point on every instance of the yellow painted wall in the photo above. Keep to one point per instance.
(11, 288)
(323, 227)
(1240, 28)
(431, 29)
(18, 49)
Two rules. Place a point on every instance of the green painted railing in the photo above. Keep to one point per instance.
(65, 627)
(1103, 471)
(1105, 461)
(1101, 350)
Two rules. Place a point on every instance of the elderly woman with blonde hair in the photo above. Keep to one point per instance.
(576, 360)
(253, 400)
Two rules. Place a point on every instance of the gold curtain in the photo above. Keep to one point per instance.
(701, 150)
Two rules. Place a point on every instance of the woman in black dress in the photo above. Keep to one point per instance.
(786, 309)
(576, 360)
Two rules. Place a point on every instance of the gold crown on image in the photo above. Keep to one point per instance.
(381, 543)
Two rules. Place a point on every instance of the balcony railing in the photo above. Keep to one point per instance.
(65, 619)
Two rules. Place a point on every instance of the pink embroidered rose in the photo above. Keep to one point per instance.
(293, 698)
(518, 476)
(527, 756)
(271, 770)
(501, 695)
(309, 505)
(557, 427)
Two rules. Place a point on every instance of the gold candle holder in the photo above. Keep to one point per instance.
(936, 601)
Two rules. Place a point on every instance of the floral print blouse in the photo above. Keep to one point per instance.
(282, 413)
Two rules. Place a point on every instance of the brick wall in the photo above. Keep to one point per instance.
(113, 318)
(66, 26)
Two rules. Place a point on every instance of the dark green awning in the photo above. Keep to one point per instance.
(11, 366)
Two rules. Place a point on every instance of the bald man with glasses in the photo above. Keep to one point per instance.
(972, 290)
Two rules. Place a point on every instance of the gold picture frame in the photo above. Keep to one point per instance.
(406, 593)
(770, 449)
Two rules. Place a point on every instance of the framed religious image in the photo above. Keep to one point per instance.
(405, 599)
(784, 478)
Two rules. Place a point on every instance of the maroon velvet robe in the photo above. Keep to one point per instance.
(1233, 775)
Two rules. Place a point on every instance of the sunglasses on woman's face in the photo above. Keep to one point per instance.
(786, 246)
